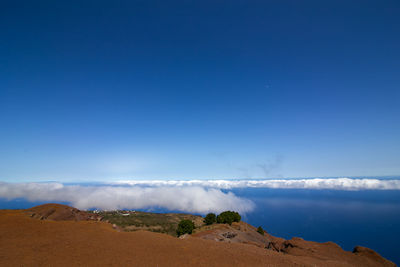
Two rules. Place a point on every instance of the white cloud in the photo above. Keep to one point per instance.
(193, 199)
(314, 183)
(193, 196)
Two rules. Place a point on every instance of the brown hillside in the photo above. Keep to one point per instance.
(29, 242)
(58, 212)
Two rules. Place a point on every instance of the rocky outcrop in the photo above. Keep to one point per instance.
(372, 255)
(236, 233)
(330, 251)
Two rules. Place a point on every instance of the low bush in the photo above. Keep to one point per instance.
(185, 227)
(260, 230)
(228, 217)
(210, 219)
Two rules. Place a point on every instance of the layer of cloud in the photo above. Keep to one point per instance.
(193, 196)
(314, 183)
(192, 199)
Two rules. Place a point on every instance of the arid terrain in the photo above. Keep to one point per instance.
(57, 235)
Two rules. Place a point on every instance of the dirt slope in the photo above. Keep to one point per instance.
(58, 212)
(236, 233)
(25, 241)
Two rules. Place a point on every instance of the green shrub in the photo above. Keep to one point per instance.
(185, 227)
(260, 230)
(210, 219)
(228, 217)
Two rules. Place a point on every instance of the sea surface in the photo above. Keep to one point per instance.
(369, 218)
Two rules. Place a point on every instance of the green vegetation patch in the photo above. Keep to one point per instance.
(210, 219)
(228, 217)
(260, 230)
(185, 227)
(156, 222)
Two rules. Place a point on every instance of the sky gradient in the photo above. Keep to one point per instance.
(101, 91)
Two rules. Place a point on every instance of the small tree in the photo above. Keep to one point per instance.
(210, 219)
(185, 227)
(236, 217)
(228, 217)
(260, 230)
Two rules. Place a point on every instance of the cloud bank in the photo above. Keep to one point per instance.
(314, 183)
(193, 196)
(192, 199)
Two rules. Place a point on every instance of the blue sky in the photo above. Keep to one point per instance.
(182, 90)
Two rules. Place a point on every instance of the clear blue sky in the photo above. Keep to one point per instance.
(106, 90)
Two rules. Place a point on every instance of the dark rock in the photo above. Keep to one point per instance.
(229, 235)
